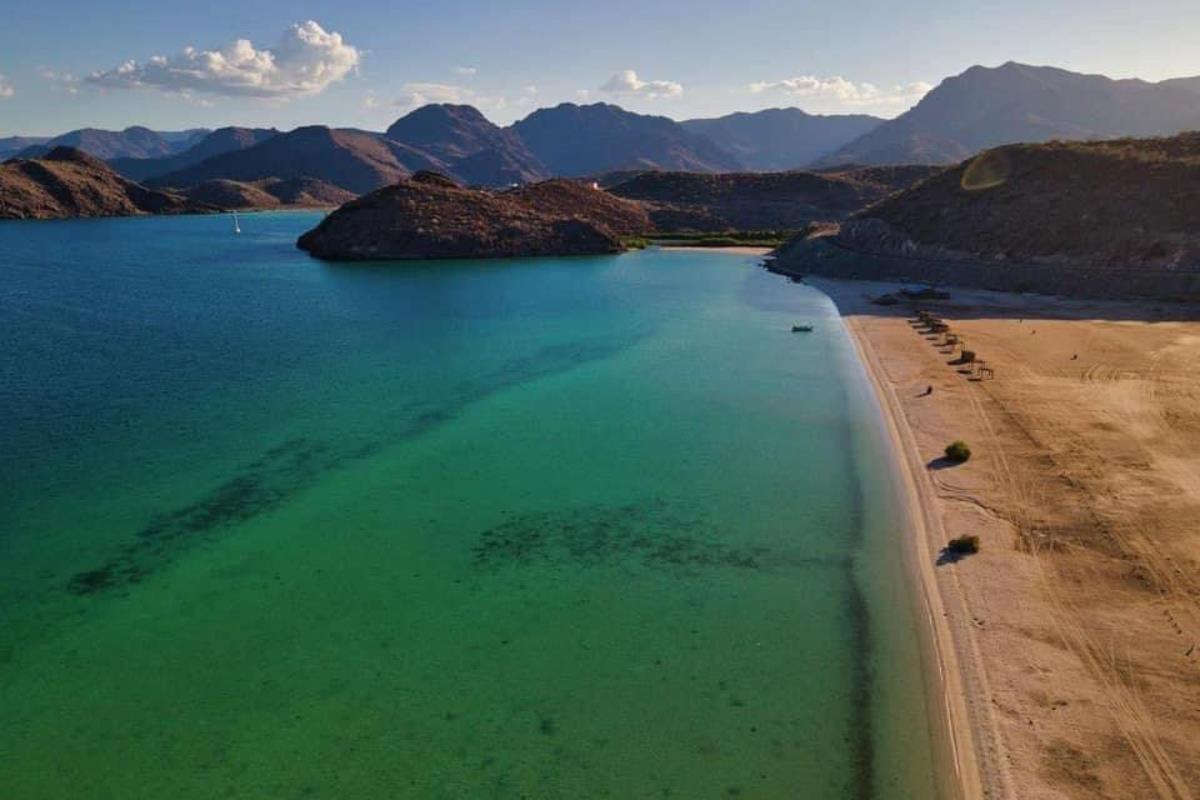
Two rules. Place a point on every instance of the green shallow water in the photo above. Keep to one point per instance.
(273, 528)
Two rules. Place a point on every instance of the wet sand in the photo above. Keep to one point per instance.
(1068, 650)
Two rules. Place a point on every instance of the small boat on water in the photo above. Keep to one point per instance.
(802, 328)
(236, 227)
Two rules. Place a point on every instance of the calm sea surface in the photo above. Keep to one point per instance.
(274, 528)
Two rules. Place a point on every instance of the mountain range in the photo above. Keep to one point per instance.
(781, 138)
(133, 142)
(981, 108)
(986, 107)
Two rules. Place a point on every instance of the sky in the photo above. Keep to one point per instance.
(169, 65)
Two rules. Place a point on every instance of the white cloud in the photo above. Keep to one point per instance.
(60, 80)
(419, 94)
(466, 72)
(414, 95)
(6, 88)
(307, 60)
(844, 92)
(627, 82)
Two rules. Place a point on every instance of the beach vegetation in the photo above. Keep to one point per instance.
(729, 238)
(958, 452)
(963, 545)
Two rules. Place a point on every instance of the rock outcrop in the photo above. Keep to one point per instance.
(70, 183)
(430, 216)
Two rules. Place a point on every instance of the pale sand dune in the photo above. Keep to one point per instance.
(1076, 631)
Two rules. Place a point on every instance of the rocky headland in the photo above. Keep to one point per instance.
(69, 183)
(430, 216)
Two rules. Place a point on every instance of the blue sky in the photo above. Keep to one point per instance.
(68, 64)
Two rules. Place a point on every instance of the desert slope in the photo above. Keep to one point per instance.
(69, 183)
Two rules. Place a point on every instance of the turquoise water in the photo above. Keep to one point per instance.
(273, 528)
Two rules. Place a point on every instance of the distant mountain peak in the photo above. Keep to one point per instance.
(989, 106)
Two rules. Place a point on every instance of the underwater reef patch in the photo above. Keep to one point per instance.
(280, 473)
(650, 533)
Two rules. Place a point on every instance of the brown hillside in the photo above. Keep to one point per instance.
(568, 198)
(70, 183)
(1125, 201)
(430, 216)
(757, 201)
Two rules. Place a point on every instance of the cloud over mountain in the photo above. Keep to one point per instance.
(307, 60)
(626, 82)
(844, 92)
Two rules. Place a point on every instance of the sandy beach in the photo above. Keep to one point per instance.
(1067, 651)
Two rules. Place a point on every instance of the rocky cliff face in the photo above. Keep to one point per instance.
(431, 217)
(70, 183)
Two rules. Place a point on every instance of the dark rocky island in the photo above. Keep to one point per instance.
(70, 183)
(429, 216)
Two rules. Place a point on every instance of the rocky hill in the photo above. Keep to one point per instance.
(70, 183)
(357, 161)
(760, 201)
(573, 140)
(268, 193)
(222, 140)
(474, 149)
(430, 216)
(781, 138)
(985, 107)
(1121, 202)
(568, 198)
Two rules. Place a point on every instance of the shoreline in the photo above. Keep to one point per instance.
(739, 250)
(944, 672)
(1061, 657)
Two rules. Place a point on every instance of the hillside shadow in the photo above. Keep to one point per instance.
(854, 297)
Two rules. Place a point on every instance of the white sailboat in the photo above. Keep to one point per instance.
(236, 227)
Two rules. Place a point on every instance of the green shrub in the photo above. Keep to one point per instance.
(963, 545)
(958, 452)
